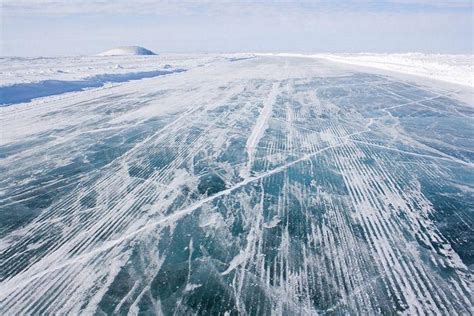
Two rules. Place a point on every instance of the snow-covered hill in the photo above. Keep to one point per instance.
(127, 51)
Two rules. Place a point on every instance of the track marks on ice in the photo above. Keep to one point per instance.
(259, 129)
(312, 213)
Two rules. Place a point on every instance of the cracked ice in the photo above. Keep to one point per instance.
(266, 185)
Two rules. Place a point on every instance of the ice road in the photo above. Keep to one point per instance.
(253, 186)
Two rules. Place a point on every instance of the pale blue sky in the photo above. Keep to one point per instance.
(62, 27)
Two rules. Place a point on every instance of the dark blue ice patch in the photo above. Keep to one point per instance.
(211, 184)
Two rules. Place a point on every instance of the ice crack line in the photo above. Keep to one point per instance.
(177, 215)
(446, 157)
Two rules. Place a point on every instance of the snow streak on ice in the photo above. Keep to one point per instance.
(271, 185)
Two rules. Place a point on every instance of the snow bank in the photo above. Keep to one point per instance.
(25, 79)
(127, 51)
(20, 70)
(25, 92)
(456, 69)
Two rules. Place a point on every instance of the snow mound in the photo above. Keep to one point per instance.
(127, 51)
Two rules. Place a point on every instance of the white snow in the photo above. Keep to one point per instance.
(450, 68)
(14, 70)
(457, 69)
(273, 223)
(190, 287)
(259, 129)
(127, 51)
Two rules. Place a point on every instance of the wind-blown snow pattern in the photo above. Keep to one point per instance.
(267, 185)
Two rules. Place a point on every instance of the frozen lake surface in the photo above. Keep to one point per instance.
(266, 185)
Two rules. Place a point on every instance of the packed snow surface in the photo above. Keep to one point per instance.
(127, 51)
(272, 185)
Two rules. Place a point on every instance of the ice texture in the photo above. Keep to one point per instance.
(253, 186)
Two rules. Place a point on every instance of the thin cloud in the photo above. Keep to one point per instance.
(222, 7)
(87, 27)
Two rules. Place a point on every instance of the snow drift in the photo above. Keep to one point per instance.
(457, 69)
(449, 68)
(25, 92)
(127, 51)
